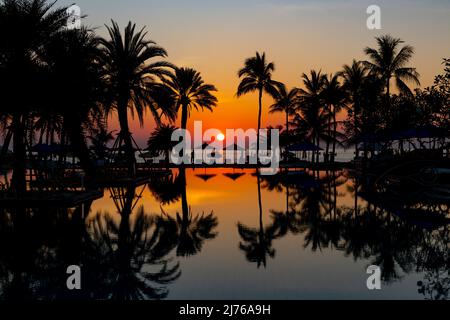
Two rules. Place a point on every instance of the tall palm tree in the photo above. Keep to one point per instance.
(334, 99)
(190, 92)
(353, 77)
(312, 114)
(25, 27)
(130, 75)
(389, 61)
(286, 102)
(74, 52)
(257, 76)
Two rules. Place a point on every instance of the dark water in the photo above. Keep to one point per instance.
(229, 235)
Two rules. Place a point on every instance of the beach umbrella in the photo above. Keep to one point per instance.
(234, 176)
(205, 177)
(304, 146)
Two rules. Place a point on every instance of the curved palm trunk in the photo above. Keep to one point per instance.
(125, 135)
(19, 167)
(259, 124)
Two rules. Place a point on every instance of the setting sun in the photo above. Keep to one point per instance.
(220, 137)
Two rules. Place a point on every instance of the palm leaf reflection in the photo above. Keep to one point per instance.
(128, 257)
(189, 231)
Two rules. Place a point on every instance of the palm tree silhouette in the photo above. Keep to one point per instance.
(74, 52)
(130, 76)
(335, 99)
(119, 253)
(313, 117)
(34, 23)
(354, 76)
(257, 76)
(121, 249)
(100, 138)
(160, 141)
(50, 125)
(189, 231)
(257, 243)
(190, 91)
(388, 61)
(192, 231)
(167, 189)
(286, 102)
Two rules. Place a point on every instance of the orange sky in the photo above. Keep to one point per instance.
(215, 37)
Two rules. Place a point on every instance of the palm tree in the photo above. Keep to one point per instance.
(334, 98)
(353, 77)
(257, 76)
(130, 76)
(50, 125)
(161, 141)
(100, 138)
(25, 27)
(286, 102)
(389, 62)
(74, 52)
(312, 115)
(190, 92)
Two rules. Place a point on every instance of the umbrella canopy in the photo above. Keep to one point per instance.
(205, 177)
(304, 146)
(234, 176)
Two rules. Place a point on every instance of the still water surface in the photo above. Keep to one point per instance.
(222, 234)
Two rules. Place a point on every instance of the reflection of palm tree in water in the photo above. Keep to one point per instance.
(257, 243)
(190, 232)
(129, 258)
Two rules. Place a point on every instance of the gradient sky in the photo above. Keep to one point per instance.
(215, 37)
